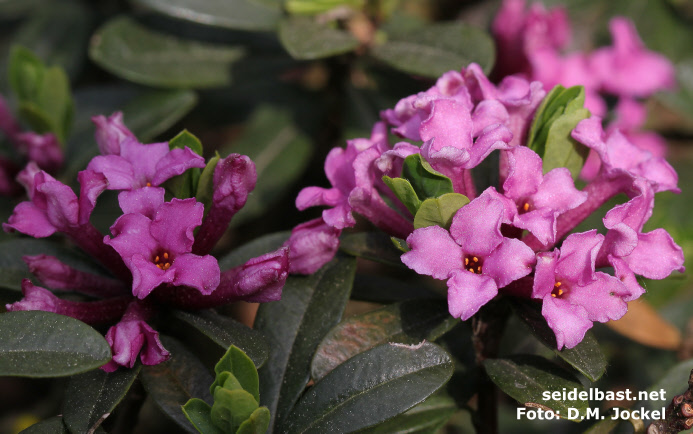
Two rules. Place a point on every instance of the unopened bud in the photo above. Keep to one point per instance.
(687, 410)
(678, 399)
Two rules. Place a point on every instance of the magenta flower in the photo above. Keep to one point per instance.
(474, 257)
(110, 133)
(573, 294)
(540, 198)
(312, 244)
(156, 243)
(132, 336)
(44, 149)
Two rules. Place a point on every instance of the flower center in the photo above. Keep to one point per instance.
(558, 290)
(163, 261)
(524, 206)
(472, 264)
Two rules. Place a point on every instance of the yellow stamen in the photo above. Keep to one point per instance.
(475, 259)
(471, 270)
(165, 255)
(525, 206)
(149, 184)
(156, 259)
(466, 261)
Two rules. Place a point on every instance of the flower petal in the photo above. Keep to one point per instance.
(467, 292)
(568, 321)
(433, 252)
(511, 260)
(175, 162)
(199, 272)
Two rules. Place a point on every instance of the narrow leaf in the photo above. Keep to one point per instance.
(309, 308)
(439, 211)
(408, 322)
(134, 52)
(305, 39)
(226, 331)
(526, 378)
(205, 185)
(427, 417)
(174, 382)
(375, 385)
(44, 344)
(53, 425)
(673, 383)
(92, 395)
(375, 246)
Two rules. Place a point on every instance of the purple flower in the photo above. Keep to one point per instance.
(573, 294)
(474, 257)
(540, 198)
(132, 336)
(44, 149)
(110, 133)
(312, 244)
(155, 238)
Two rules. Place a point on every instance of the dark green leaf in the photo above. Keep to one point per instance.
(375, 385)
(400, 244)
(295, 325)
(172, 383)
(44, 344)
(554, 120)
(526, 378)
(280, 153)
(226, 331)
(131, 51)
(231, 408)
(439, 211)
(375, 246)
(257, 423)
(243, 370)
(426, 181)
(427, 417)
(674, 382)
(198, 413)
(383, 289)
(253, 249)
(305, 38)
(14, 8)
(53, 425)
(13, 269)
(230, 14)
(437, 48)
(586, 357)
(408, 322)
(92, 395)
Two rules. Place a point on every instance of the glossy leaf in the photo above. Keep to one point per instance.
(44, 344)
(526, 378)
(230, 14)
(253, 249)
(198, 413)
(172, 383)
(586, 357)
(427, 417)
(257, 423)
(243, 370)
(226, 331)
(404, 191)
(53, 425)
(554, 120)
(408, 322)
(134, 52)
(306, 39)
(439, 211)
(375, 385)
(437, 48)
(280, 153)
(295, 325)
(426, 181)
(375, 246)
(92, 395)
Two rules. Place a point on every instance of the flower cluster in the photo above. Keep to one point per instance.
(514, 237)
(153, 254)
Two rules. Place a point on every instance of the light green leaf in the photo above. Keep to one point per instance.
(243, 370)
(404, 192)
(426, 181)
(231, 408)
(257, 423)
(439, 211)
(185, 185)
(305, 39)
(198, 413)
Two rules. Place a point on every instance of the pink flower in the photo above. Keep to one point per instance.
(312, 244)
(110, 133)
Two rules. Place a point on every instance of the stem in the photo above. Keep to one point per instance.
(487, 330)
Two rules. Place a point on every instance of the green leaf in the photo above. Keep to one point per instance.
(295, 325)
(400, 244)
(226, 332)
(586, 357)
(134, 52)
(375, 385)
(13, 269)
(305, 39)
(239, 364)
(231, 408)
(408, 322)
(315, 7)
(92, 395)
(185, 185)
(205, 183)
(44, 344)
(257, 423)
(426, 181)
(378, 288)
(375, 246)
(53, 425)
(280, 153)
(186, 138)
(25, 72)
(554, 120)
(673, 383)
(198, 413)
(439, 211)
(437, 48)
(427, 417)
(253, 249)
(404, 192)
(526, 378)
(174, 382)
(230, 14)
